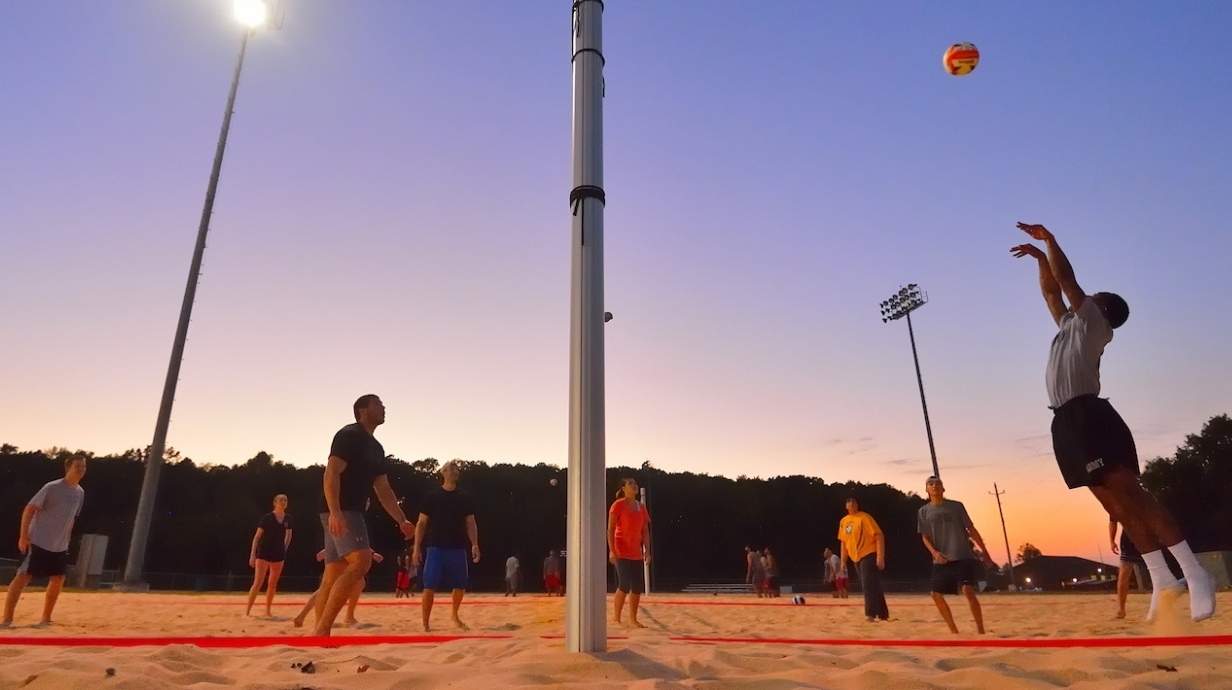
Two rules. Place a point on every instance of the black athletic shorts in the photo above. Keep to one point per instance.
(951, 577)
(629, 576)
(43, 563)
(1129, 552)
(1088, 438)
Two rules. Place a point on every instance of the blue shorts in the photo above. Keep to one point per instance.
(354, 539)
(445, 569)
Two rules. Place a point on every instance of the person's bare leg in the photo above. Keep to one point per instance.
(618, 604)
(357, 564)
(634, 598)
(426, 607)
(1123, 588)
(258, 578)
(271, 587)
(457, 604)
(1146, 519)
(328, 578)
(353, 602)
(54, 585)
(944, 608)
(976, 612)
(309, 605)
(10, 600)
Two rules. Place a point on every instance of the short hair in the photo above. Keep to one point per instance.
(851, 498)
(283, 497)
(1115, 309)
(363, 402)
(454, 463)
(68, 462)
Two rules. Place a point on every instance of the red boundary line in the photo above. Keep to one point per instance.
(241, 642)
(1193, 641)
(365, 640)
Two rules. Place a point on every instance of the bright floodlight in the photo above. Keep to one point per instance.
(250, 13)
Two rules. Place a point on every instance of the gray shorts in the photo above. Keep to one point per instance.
(354, 539)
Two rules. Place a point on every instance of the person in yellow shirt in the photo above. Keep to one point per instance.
(861, 541)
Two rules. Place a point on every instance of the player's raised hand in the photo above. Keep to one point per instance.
(1037, 232)
(1028, 250)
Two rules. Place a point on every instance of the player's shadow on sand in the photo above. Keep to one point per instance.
(639, 666)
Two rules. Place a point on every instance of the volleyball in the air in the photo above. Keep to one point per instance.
(961, 58)
(798, 600)
(553, 482)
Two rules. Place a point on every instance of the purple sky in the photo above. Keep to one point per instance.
(393, 218)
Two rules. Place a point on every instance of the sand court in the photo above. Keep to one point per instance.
(1034, 641)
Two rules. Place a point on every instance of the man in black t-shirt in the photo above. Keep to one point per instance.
(356, 466)
(446, 526)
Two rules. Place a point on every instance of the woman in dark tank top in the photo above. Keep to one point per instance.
(269, 550)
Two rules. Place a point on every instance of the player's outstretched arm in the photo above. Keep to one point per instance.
(1061, 268)
(1048, 284)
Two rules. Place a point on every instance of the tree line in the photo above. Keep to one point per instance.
(206, 515)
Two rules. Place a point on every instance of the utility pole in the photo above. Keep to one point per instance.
(1008, 554)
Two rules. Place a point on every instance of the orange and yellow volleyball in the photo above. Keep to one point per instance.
(961, 58)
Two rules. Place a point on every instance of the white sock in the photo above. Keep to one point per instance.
(1201, 584)
(1185, 558)
(1161, 575)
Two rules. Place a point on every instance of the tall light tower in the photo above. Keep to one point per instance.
(252, 15)
(586, 567)
(901, 304)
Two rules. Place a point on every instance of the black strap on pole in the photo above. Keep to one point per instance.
(586, 191)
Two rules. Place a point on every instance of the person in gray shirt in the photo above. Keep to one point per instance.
(947, 532)
(46, 526)
(1093, 445)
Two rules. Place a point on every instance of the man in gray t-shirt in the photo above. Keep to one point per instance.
(947, 532)
(46, 525)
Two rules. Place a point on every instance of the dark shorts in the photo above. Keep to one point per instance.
(950, 578)
(1129, 552)
(271, 554)
(630, 578)
(445, 569)
(1089, 438)
(40, 562)
(354, 539)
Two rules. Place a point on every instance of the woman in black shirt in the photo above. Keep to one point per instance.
(269, 550)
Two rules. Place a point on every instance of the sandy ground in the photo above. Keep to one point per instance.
(521, 646)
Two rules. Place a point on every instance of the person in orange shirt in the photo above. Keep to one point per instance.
(862, 542)
(628, 542)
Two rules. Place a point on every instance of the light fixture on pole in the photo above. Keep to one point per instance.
(252, 15)
(586, 568)
(901, 304)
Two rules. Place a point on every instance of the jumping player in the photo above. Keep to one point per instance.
(1093, 446)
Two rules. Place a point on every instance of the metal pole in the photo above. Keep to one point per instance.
(586, 569)
(1008, 554)
(932, 451)
(154, 459)
(645, 561)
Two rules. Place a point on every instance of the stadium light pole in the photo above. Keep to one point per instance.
(586, 568)
(252, 15)
(900, 305)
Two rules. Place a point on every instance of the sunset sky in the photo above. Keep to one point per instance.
(393, 218)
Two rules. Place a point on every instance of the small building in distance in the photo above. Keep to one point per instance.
(1053, 573)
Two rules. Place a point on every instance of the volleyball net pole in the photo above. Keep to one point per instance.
(586, 565)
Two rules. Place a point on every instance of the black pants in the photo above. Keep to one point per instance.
(870, 583)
